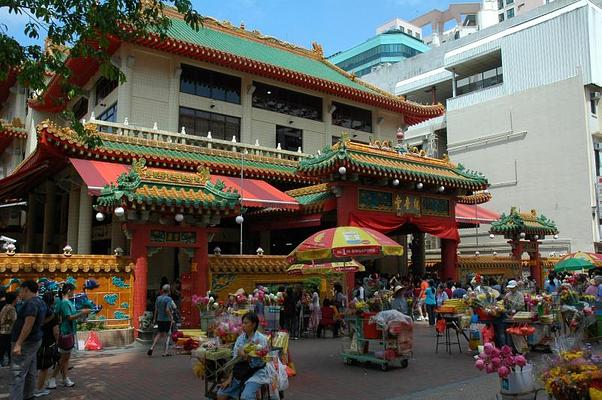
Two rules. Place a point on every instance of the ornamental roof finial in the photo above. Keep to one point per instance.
(318, 49)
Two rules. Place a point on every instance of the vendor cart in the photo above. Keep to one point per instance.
(371, 345)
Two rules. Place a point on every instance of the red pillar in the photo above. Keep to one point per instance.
(449, 259)
(346, 203)
(535, 267)
(140, 256)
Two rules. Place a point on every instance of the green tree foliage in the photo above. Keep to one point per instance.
(79, 28)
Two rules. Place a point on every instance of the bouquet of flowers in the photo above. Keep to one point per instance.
(567, 295)
(205, 303)
(571, 374)
(483, 301)
(227, 328)
(502, 361)
(255, 350)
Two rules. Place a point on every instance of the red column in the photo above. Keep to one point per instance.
(199, 277)
(140, 256)
(449, 259)
(346, 203)
(536, 270)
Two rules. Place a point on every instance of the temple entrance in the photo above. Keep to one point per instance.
(170, 263)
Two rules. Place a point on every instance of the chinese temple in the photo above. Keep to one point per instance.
(190, 204)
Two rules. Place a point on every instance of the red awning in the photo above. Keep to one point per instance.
(98, 174)
(473, 214)
(258, 193)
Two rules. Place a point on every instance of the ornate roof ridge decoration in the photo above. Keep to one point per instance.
(25, 262)
(247, 264)
(156, 186)
(319, 188)
(479, 197)
(518, 222)
(14, 128)
(383, 159)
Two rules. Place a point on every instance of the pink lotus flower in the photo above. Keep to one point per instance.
(503, 371)
(488, 348)
(496, 361)
(480, 364)
(520, 360)
(489, 369)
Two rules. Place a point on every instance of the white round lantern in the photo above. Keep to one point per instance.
(342, 170)
(179, 217)
(491, 236)
(441, 189)
(396, 182)
(100, 217)
(523, 235)
(239, 219)
(119, 211)
(419, 185)
(555, 236)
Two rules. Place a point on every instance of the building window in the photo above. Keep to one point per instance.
(198, 122)
(508, 2)
(598, 159)
(80, 108)
(500, 17)
(377, 52)
(211, 84)
(273, 98)
(109, 115)
(593, 102)
(352, 117)
(510, 13)
(289, 138)
(500, 4)
(104, 87)
(480, 81)
(417, 35)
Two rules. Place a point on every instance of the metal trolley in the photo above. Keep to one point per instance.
(368, 348)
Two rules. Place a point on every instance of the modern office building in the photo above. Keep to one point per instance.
(523, 103)
(394, 41)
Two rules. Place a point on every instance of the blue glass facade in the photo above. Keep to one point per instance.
(388, 47)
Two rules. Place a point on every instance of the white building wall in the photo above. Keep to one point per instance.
(546, 165)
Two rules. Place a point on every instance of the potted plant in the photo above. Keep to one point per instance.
(516, 375)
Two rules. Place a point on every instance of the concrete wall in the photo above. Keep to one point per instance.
(151, 94)
(545, 164)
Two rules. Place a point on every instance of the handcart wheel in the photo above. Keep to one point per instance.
(384, 367)
(404, 363)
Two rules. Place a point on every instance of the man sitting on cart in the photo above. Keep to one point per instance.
(249, 372)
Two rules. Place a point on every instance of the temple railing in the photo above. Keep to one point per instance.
(124, 129)
(32, 263)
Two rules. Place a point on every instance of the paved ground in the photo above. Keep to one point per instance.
(129, 374)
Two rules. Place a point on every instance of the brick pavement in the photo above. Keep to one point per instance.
(130, 374)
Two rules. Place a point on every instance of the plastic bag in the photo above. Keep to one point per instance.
(384, 318)
(487, 334)
(93, 342)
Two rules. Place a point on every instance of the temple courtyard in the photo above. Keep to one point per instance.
(129, 373)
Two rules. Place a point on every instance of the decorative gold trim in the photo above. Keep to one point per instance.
(320, 188)
(27, 262)
(247, 264)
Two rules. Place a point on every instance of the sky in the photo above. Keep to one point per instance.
(336, 24)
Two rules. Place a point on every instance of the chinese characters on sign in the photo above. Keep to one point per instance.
(403, 203)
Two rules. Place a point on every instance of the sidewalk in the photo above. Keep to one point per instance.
(126, 374)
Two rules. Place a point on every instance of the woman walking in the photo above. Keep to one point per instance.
(316, 315)
(430, 301)
(67, 315)
(8, 316)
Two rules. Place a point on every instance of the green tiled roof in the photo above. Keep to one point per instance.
(182, 190)
(314, 198)
(383, 161)
(150, 152)
(530, 224)
(234, 44)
